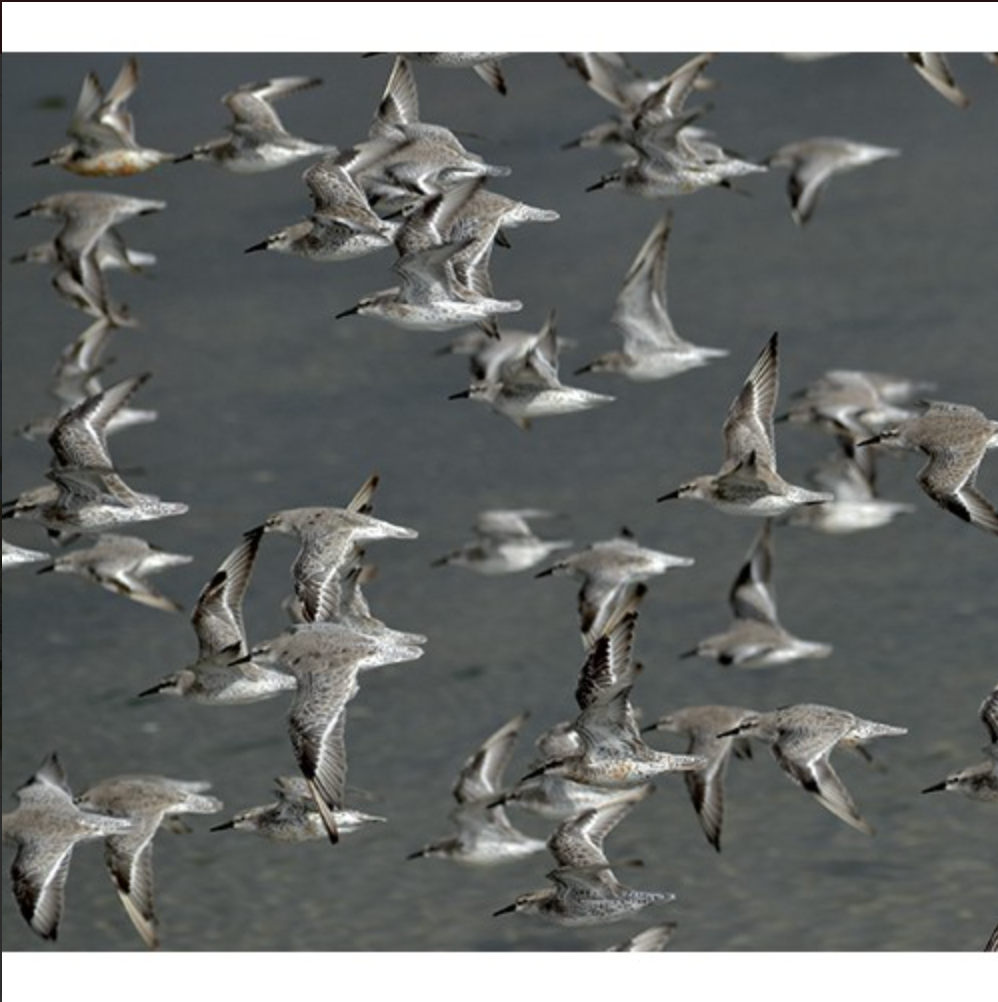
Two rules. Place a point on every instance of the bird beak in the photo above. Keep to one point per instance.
(225, 826)
(868, 441)
(505, 911)
(935, 788)
(671, 496)
(347, 313)
(262, 245)
(463, 395)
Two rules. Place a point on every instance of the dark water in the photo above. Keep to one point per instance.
(266, 402)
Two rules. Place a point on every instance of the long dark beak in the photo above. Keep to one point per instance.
(546, 573)
(692, 652)
(935, 788)
(671, 496)
(505, 911)
(24, 212)
(534, 773)
(46, 569)
(158, 687)
(42, 162)
(262, 245)
(223, 827)
(601, 183)
(463, 395)
(729, 734)
(868, 441)
(347, 313)
(245, 659)
(182, 158)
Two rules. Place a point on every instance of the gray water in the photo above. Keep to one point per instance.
(266, 402)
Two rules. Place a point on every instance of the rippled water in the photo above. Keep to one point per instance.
(266, 402)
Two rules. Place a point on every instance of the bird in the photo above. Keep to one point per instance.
(955, 437)
(652, 348)
(486, 65)
(667, 158)
(121, 564)
(702, 725)
(18, 556)
(330, 547)
(483, 833)
(609, 750)
(814, 162)
(609, 570)
(294, 816)
(444, 281)
(45, 828)
(88, 494)
(527, 385)
(747, 482)
(980, 781)
(148, 801)
(342, 224)
(504, 543)
(217, 619)
(654, 939)
(934, 69)
(756, 638)
(257, 140)
(586, 891)
(102, 132)
(850, 477)
(80, 243)
(802, 738)
(326, 658)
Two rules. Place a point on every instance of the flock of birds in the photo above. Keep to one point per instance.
(412, 187)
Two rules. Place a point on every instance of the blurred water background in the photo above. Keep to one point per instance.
(266, 402)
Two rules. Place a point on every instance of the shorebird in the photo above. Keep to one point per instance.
(76, 376)
(330, 547)
(651, 940)
(609, 751)
(484, 835)
(87, 217)
(652, 348)
(257, 139)
(342, 224)
(702, 725)
(404, 158)
(747, 482)
(486, 64)
(802, 739)
(527, 385)
(294, 816)
(849, 476)
(934, 69)
(668, 158)
(88, 495)
(853, 404)
(45, 828)
(609, 570)
(148, 801)
(814, 162)
(445, 282)
(18, 556)
(218, 624)
(121, 564)
(756, 639)
(955, 437)
(504, 543)
(326, 659)
(102, 132)
(980, 781)
(586, 891)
